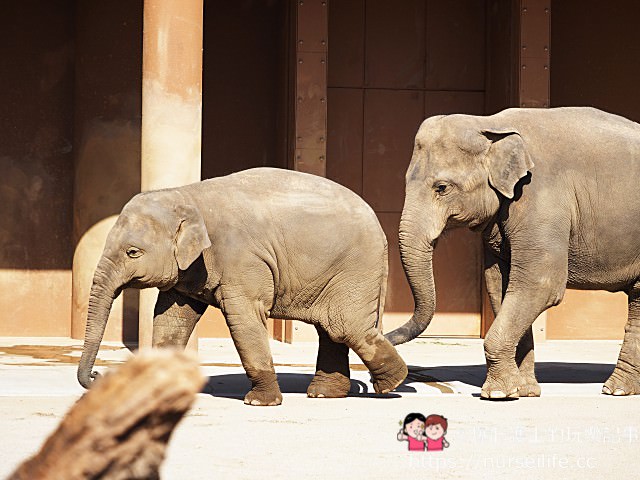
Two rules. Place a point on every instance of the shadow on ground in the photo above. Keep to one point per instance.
(237, 385)
(546, 372)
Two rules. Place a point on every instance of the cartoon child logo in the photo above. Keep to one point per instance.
(413, 431)
(435, 430)
(424, 433)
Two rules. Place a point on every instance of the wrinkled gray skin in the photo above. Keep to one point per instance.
(256, 244)
(570, 220)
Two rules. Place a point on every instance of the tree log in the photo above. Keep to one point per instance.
(120, 428)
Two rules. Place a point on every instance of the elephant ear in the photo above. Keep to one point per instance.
(507, 160)
(192, 236)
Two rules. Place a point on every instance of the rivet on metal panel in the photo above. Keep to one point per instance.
(523, 104)
(546, 67)
(299, 139)
(322, 100)
(524, 67)
(524, 10)
(546, 48)
(301, 3)
(524, 47)
(322, 158)
(322, 60)
(300, 60)
(546, 10)
(323, 42)
(322, 139)
(299, 99)
(324, 4)
(300, 42)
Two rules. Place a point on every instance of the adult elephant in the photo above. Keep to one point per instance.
(256, 244)
(572, 220)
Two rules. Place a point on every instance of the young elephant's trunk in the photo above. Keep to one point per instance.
(101, 298)
(416, 251)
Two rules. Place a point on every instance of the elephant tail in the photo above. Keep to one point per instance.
(383, 285)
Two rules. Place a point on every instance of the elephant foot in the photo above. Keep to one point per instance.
(261, 397)
(502, 387)
(265, 391)
(329, 385)
(529, 388)
(622, 383)
(387, 368)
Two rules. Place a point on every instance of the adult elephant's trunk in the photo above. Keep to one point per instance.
(417, 237)
(103, 293)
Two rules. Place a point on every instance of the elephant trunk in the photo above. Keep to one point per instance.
(416, 250)
(101, 298)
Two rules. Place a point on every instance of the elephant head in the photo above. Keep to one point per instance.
(461, 169)
(157, 235)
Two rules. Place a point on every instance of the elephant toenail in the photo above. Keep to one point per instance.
(606, 390)
(619, 391)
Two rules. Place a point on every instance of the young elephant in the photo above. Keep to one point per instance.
(256, 244)
(572, 220)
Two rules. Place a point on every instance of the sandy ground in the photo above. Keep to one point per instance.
(572, 431)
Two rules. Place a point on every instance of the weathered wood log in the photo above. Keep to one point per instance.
(120, 428)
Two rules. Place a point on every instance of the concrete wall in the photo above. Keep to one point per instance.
(36, 161)
(69, 153)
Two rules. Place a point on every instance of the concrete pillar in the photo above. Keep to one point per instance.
(171, 107)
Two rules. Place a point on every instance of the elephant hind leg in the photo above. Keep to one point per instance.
(625, 379)
(332, 369)
(382, 359)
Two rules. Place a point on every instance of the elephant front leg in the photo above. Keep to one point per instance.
(496, 273)
(525, 360)
(247, 325)
(332, 369)
(625, 379)
(174, 319)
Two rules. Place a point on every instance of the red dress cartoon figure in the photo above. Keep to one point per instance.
(435, 430)
(413, 431)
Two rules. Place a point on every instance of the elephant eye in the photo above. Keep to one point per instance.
(133, 252)
(441, 188)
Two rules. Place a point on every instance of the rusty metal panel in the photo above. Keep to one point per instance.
(346, 31)
(457, 266)
(502, 45)
(442, 103)
(391, 120)
(311, 87)
(455, 45)
(311, 91)
(312, 26)
(395, 44)
(344, 137)
(311, 160)
(458, 276)
(534, 52)
(399, 298)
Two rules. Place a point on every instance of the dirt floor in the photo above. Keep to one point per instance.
(572, 431)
